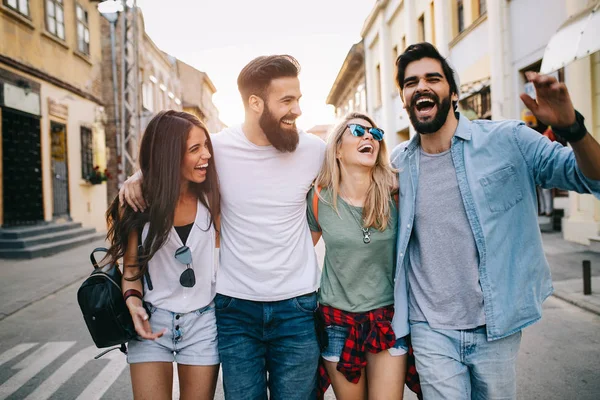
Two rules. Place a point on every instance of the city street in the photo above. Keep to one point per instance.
(46, 351)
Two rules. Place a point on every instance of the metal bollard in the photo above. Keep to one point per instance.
(587, 277)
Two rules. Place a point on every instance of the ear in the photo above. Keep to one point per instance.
(402, 98)
(454, 97)
(256, 104)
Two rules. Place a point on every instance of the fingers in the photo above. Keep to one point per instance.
(139, 196)
(529, 102)
(142, 325)
(129, 198)
(540, 81)
(122, 196)
(132, 194)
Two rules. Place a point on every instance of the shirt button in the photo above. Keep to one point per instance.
(408, 226)
(401, 254)
(177, 327)
(177, 316)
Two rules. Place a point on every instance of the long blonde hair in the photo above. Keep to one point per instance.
(376, 210)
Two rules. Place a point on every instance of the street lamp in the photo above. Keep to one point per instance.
(110, 10)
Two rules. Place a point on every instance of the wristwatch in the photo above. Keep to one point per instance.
(574, 132)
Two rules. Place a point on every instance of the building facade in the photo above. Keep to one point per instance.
(52, 115)
(197, 92)
(153, 86)
(349, 91)
(490, 44)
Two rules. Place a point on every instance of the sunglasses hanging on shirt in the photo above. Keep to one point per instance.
(184, 256)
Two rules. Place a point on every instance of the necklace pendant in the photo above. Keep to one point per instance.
(366, 236)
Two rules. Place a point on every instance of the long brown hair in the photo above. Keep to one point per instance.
(376, 211)
(161, 153)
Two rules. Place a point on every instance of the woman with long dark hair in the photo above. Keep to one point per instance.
(169, 282)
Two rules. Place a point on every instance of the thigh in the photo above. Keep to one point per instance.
(293, 352)
(493, 367)
(343, 389)
(441, 371)
(197, 381)
(385, 375)
(241, 348)
(152, 380)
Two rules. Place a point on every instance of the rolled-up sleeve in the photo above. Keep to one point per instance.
(552, 164)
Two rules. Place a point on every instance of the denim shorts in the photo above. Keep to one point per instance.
(190, 339)
(337, 335)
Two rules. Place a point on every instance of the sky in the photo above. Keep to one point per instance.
(219, 37)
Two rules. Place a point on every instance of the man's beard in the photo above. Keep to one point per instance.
(283, 139)
(439, 119)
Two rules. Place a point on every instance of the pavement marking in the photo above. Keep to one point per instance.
(15, 351)
(66, 371)
(104, 380)
(32, 365)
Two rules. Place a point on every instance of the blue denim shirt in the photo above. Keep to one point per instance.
(498, 165)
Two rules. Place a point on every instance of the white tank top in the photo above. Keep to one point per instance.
(165, 270)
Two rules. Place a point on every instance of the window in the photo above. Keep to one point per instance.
(421, 26)
(87, 152)
(482, 7)
(460, 11)
(480, 103)
(83, 32)
(148, 96)
(20, 6)
(55, 18)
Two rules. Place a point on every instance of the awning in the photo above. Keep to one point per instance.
(471, 88)
(577, 38)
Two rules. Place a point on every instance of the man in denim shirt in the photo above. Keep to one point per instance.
(470, 252)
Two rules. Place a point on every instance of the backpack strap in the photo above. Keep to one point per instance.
(315, 203)
(140, 254)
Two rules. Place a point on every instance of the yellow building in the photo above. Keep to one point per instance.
(51, 113)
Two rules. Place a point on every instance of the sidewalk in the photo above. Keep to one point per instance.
(565, 259)
(27, 281)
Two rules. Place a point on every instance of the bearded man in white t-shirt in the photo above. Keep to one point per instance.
(268, 273)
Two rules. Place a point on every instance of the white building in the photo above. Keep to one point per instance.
(490, 44)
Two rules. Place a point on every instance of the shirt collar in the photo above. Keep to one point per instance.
(463, 131)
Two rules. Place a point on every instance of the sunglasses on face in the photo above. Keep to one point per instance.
(359, 130)
(184, 256)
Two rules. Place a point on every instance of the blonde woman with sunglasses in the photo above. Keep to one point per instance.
(352, 207)
(169, 282)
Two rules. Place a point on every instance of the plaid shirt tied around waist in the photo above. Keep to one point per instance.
(371, 331)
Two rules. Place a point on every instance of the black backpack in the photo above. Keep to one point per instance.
(106, 315)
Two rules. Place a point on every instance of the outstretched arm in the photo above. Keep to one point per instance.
(553, 106)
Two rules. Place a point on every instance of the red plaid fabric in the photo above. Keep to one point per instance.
(371, 331)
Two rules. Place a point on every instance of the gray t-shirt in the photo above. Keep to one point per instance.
(443, 276)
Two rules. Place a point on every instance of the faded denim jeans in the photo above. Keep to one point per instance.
(463, 364)
(268, 344)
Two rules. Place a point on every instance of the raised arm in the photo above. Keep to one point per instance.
(553, 106)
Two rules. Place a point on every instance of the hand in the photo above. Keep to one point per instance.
(553, 104)
(131, 192)
(141, 323)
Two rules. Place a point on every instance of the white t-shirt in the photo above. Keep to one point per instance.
(266, 248)
(165, 270)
